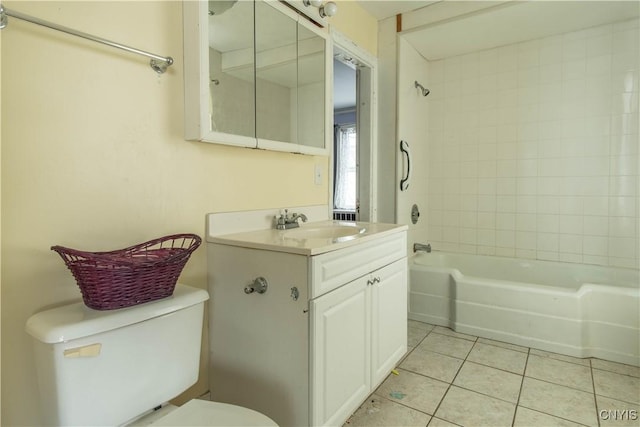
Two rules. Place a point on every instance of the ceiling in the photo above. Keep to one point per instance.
(382, 9)
(514, 22)
(444, 28)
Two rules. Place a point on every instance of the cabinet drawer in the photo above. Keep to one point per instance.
(333, 269)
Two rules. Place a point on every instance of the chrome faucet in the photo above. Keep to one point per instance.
(286, 221)
(420, 247)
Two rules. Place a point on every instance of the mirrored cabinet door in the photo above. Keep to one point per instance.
(256, 74)
(276, 73)
(231, 67)
(312, 81)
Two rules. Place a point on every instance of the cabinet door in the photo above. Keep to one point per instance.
(389, 319)
(340, 355)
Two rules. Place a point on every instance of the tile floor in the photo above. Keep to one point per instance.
(449, 379)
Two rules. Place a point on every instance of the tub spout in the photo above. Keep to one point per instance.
(420, 247)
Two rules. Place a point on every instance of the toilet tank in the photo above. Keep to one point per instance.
(109, 367)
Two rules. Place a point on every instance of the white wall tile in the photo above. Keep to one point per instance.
(571, 205)
(468, 236)
(596, 205)
(574, 69)
(595, 260)
(596, 226)
(572, 224)
(547, 242)
(622, 226)
(526, 222)
(526, 204)
(506, 204)
(506, 238)
(622, 247)
(534, 148)
(505, 221)
(600, 45)
(486, 203)
(570, 243)
(623, 206)
(526, 240)
(547, 223)
(598, 66)
(573, 48)
(595, 245)
(486, 237)
(548, 204)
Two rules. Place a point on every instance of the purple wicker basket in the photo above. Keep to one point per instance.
(134, 275)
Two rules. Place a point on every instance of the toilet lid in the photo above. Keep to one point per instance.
(198, 412)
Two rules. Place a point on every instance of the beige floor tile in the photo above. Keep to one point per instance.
(490, 381)
(527, 418)
(559, 372)
(564, 402)
(413, 390)
(378, 411)
(618, 368)
(616, 386)
(444, 344)
(616, 413)
(504, 345)
(446, 331)
(498, 357)
(434, 365)
(468, 408)
(437, 422)
(415, 336)
(420, 325)
(570, 359)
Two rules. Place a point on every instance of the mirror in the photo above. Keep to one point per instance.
(312, 79)
(231, 67)
(256, 76)
(276, 74)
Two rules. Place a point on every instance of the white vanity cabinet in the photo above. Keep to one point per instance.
(327, 331)
(359, 332)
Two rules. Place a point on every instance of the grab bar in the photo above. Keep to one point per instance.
(404, 182)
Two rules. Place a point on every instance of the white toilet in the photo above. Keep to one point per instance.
(115, 367)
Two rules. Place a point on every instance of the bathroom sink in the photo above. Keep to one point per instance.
(334, 232)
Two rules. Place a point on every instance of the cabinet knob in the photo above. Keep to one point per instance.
(259, 285)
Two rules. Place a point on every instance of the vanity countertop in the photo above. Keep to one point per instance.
(311, 238)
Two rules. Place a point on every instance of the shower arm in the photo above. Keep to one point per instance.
(425, 91)
(158, 63)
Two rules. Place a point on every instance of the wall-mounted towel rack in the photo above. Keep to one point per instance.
(158, 63)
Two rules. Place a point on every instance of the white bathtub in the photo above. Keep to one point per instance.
(573, 309)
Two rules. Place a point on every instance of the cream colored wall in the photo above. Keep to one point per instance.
(0, 211)
(357, 24)
(93, 157)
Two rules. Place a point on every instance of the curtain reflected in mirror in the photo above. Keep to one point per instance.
(345, 182)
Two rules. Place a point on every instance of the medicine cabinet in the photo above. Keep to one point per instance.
(256, 74)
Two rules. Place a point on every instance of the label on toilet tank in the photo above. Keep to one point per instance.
(91, 350)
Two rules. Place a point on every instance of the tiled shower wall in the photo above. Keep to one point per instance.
(533, 149)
